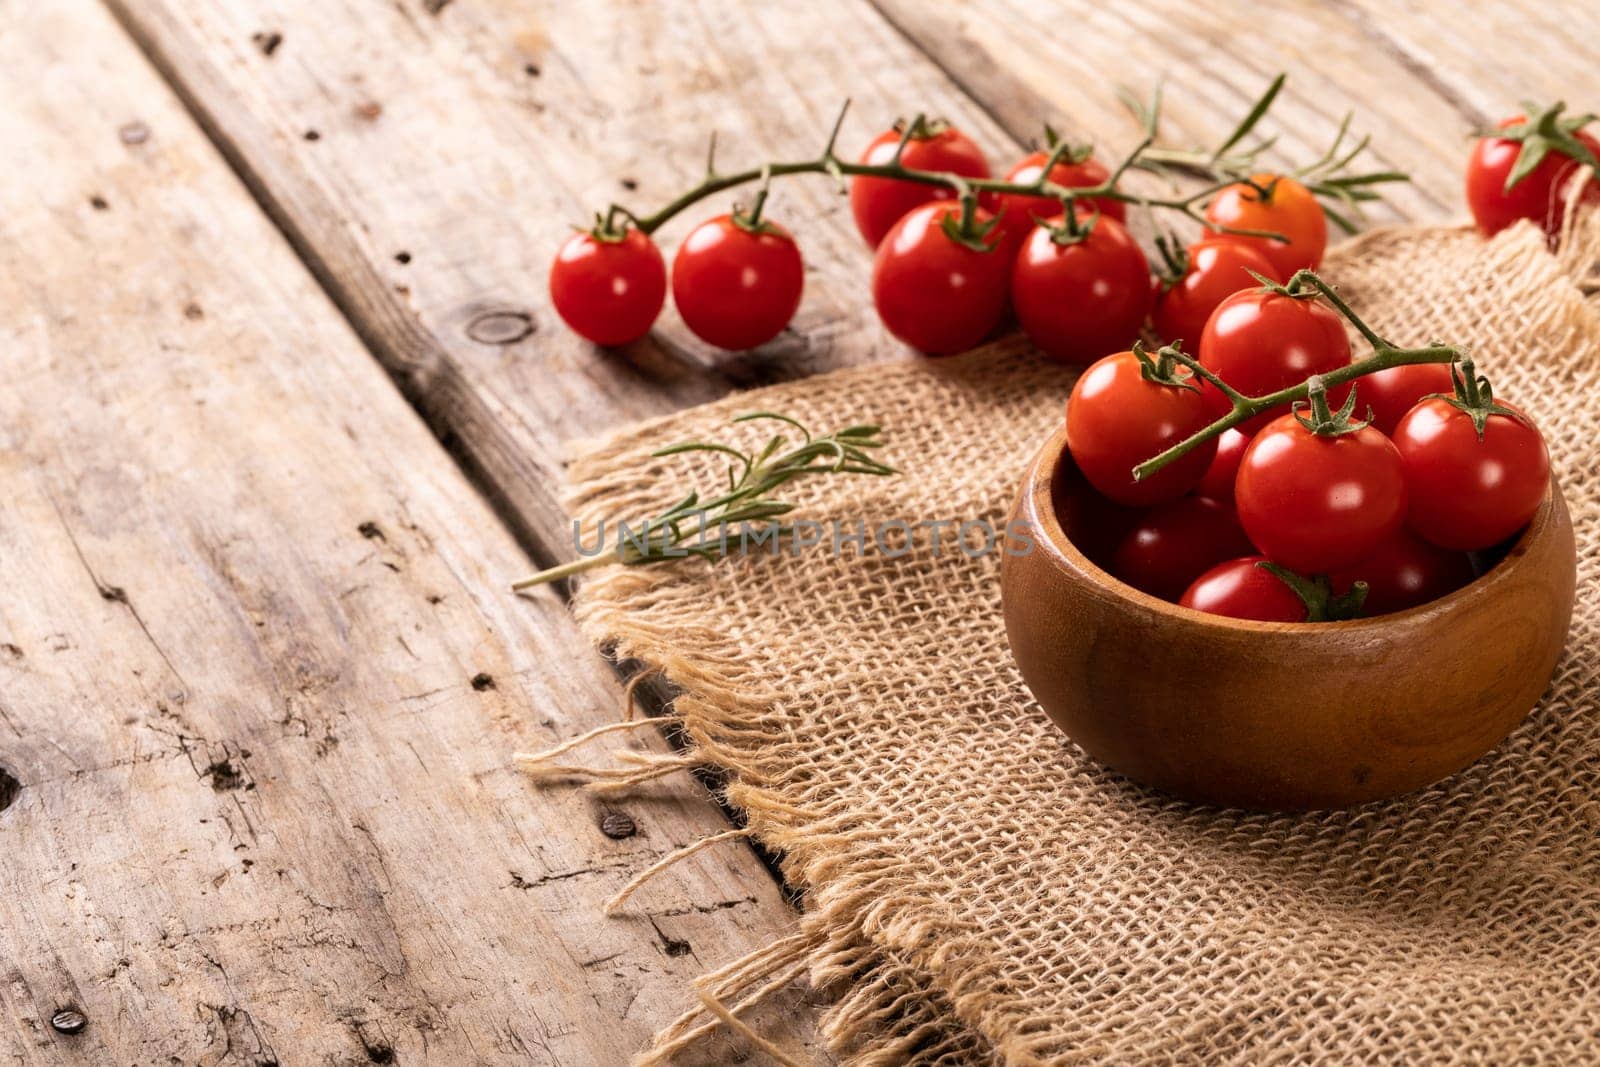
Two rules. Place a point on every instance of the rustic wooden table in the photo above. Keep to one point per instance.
(260, 676)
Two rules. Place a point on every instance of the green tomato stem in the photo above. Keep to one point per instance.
(1384, 356)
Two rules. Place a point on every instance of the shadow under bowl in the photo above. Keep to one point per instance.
(1278, 716)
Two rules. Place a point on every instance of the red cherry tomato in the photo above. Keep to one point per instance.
(1217, 270)
(1539, 195)
(1259, 342)
(1288, 208)
(1390, 393)
(1175, 543)
(1017, 211)
(1403, 572)
(1242, 590)
(1083, 300)
(879, 203)
(1224, 470)
(931, 291)
(1469, 493)
(609, 292)
(1117, 419)
(736, 287)
(1316, 504)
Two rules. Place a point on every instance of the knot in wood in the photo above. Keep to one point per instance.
(500, 327)
(68, 1021)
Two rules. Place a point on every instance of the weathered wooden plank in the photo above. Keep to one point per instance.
(1418, 79)
(1488, 58)
(259, 680)
(467, 138)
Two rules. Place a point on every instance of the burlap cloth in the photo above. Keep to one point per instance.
(977, 890)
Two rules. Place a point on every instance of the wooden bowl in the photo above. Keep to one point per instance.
(1278, 715)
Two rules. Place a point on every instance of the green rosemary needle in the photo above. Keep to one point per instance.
(752, 478)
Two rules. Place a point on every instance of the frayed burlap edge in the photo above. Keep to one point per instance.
(907, 986)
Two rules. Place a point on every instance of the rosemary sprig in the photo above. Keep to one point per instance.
(1329, 176)
(681, 530)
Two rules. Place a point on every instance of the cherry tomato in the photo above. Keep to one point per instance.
(736, 287)
(609, 291)
(1224, 470)
(1288, 208)
(1317, 504)
(931, 291)
(1469, 493)
(1242, 590)
(1017, 211)
(1403, 572)
(1538, 196)
(1083, 300)
(1393, 392)
(1174, 544)
(1117, 419)
(1217, 270)
(1259, 342)
(879, 203)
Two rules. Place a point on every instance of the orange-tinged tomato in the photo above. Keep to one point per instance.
(1286, 207)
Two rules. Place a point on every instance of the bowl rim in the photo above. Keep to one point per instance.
(1039, 493)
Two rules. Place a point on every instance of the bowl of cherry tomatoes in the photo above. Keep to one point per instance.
(1314, 614)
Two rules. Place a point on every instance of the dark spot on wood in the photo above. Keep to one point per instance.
(193, 312)
(370, 531)
(369, 110)
(99, 203)
(618, 826)
(481, 681)
(435, 598)
(14, 651)
(630, 184)
(267, 40)
(1360, 773)
(380, 1053)
(312, 135)
(68, 1021)
(531, 70)
(519, 882)
(402, 257)
(114, 593)
(433, 7)
(134, 133)
(10, 789)
(675, 947)
(225, 776)
(500, 327)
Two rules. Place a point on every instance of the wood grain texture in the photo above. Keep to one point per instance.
(472, 139)
(1420, 77)
(259, 679)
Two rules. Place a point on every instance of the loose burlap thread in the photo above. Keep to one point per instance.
(977, 889)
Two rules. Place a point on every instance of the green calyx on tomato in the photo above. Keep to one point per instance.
(1323, 420)
(1263, 190)
(750, 221)
(608, 227)
(1072, 228)
(1475, 397)
(1544, 131)
(1164, 368)
(1316, 592)
(1064, 151)
(920, 128)
(964, 228)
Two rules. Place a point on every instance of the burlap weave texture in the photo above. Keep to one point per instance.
(978, 890)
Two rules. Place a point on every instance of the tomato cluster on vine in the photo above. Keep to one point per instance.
(1311, 515)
